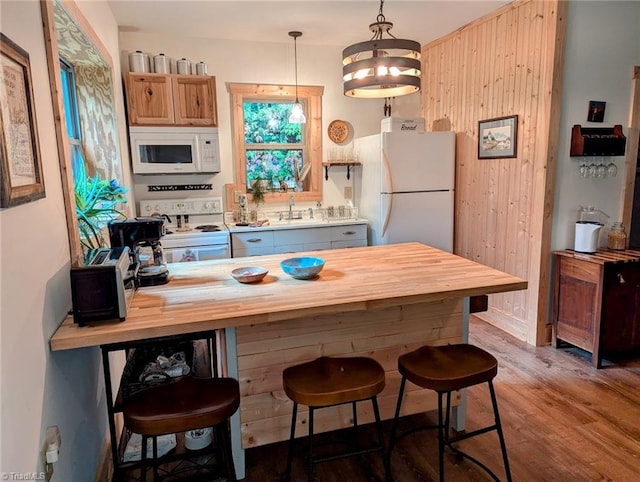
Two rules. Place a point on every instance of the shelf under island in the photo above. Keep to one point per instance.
(376, 301)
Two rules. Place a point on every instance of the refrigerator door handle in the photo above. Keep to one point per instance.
(387, 215)
(388, 185)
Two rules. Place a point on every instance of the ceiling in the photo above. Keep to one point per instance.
(338, 23)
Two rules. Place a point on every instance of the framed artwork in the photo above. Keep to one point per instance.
(498, 137)
(596, 111)
(21, 165)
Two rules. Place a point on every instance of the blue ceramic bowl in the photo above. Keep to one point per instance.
(302, 268)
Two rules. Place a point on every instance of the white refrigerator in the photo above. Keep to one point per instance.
(407, 187)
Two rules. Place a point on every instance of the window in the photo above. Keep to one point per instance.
(286, 157)
(72, 117)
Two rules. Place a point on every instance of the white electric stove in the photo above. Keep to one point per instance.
(195, 228)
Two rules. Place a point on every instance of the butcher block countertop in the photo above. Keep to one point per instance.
(202, 296)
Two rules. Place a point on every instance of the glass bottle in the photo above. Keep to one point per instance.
(617, 237)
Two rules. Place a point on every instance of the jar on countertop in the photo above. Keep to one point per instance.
(617, 237)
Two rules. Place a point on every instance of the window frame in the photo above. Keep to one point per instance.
(311, 97)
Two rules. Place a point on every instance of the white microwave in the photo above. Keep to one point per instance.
(174, 150)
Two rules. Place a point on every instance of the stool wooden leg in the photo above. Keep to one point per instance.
(503, 445)
(294, 414)
(385, 460)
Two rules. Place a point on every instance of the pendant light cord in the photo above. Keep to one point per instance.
(295, 61)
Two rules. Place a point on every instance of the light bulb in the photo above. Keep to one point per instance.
(361, 74)
(297, 115)
(382, 70)
(394, 71)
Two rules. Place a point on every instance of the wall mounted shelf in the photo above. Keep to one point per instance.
(597, 141)
(349, 164)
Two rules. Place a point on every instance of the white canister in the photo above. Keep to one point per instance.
(201, 68)
(184, 66)
(161, 64)
(139, 62)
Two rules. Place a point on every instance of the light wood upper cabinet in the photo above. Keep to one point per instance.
(170, 99)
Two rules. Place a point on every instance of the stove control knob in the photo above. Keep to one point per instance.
(206, 206)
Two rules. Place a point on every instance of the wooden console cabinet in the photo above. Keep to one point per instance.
(596, 303)
(171, 99)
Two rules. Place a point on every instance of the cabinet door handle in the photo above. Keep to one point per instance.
(254, 240)
(621, 279)
(349, 233)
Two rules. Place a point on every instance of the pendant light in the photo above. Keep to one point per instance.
(381, 67)
(297, 113)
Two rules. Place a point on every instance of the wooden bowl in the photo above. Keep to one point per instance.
(249, 274)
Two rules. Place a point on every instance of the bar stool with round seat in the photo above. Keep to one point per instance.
(445, 369)
(187, 403)
(329, 381)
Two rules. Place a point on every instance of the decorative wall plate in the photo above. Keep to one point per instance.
(338, 131)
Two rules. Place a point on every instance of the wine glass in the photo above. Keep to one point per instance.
(592, 169)
(612, 169)
(584, 170)
(601, 170)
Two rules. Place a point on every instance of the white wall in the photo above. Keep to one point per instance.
(40, 388)
(267, 63)
(602, 46)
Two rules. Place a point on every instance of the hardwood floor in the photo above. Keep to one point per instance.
(563, 421)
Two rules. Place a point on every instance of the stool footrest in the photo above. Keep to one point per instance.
(467, 435)
(329, 458)
(459, 452)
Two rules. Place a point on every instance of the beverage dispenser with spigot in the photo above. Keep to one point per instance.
(590, 222)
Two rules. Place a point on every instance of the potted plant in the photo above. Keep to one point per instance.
(257, 190)
(95, 206)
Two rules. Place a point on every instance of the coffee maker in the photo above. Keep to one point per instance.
(142, 236)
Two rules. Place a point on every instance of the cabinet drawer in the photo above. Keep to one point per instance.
(252, 240)
(301, 236)
(252, 251)
(296, 248)
(349, 232)
(348, 243)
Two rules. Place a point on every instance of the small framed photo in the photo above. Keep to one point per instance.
(20, 160)
(498, 138)
(596, 111)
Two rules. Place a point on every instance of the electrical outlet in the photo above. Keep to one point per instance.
(348, 192)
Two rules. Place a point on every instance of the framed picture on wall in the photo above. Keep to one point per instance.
(596, 111)
(21, 164)
(498, 137)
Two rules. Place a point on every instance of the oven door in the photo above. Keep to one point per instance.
(198, 253)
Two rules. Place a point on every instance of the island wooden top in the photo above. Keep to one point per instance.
(202, 296)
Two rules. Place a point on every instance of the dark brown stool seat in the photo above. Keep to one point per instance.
(181, 405)
(329, 381)
(445, 369)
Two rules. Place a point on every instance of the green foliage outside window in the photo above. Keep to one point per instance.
(274, 149)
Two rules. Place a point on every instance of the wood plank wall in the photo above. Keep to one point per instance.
(506, 63)
(265, 350)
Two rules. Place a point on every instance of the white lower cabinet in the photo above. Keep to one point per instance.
(263, 241)
(254, 243)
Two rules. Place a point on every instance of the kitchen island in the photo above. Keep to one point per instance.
(378, 301)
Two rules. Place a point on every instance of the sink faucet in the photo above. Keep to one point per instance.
(291, 203)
